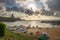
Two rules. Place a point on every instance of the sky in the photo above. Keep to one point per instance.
(46, 6)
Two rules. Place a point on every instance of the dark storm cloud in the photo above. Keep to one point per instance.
(53, 4)
(48, 13)
(3, 1)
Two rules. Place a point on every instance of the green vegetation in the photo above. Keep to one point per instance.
(9, 35)
(15, 36)
(2, 29)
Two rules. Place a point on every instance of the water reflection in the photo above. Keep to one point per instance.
(26, 23)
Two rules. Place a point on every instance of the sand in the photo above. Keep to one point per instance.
(52, 33)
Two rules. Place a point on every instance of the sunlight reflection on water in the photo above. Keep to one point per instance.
(26, 23)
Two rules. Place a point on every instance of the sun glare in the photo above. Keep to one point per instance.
(32, 7)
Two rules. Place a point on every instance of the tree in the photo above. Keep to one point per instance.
(2, 29)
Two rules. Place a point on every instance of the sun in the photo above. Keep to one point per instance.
(32, 6)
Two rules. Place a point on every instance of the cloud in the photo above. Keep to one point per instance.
(39, 4)
(47, 5)
(2, 1)
(54, 4)
(51, 7)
